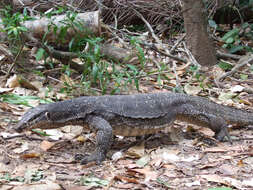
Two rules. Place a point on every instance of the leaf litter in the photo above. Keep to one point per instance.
(186, 162)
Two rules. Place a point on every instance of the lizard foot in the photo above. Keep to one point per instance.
(96, 157)
(220, 136)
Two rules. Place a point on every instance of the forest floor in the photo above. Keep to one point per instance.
(183, 156)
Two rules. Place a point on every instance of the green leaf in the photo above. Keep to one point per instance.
(136, 82)
(21, 100)
(132, 67)
(236, 49)
(220, 188)
(230, 40)
(93, 182)
(94, 72)
(251, 68)
(39, 54)
(23, 29)
(42, 133)
(243, 76)
(231, 33)
(159, 180)
(245, 25)
(143, 161)
(225, 66)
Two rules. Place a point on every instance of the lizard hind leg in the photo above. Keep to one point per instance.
(219, 126)
(103, 140)
(216, 124)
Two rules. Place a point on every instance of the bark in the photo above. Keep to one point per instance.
(197, 37)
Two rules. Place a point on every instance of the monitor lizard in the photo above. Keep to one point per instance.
(133, 115)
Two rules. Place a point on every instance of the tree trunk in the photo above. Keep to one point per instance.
(197, 37)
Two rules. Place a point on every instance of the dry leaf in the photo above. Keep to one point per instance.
(2, 90)
(206, 131)
(46, 145)
(12, 82)
(192, 90)
(237, 88)
(126, 179)
(18, 81)
(67, 79)
(55, 134)
(81, 139)
(136, 151)
(23, 148)
(148, 173)
(30, 155)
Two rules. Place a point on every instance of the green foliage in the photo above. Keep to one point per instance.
(244, 76)
(21, 100)
(166, 184)
(232, 38)
(96, 71)
(93, 182)
(39, 132)
(12, 23)
(35, 175)
(136, 43)
(225, 66)
(39, 54)
(7, 177)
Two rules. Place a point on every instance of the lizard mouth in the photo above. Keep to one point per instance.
(20, 127)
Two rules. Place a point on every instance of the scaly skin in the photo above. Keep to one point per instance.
(133, 115)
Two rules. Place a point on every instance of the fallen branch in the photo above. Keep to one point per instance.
(44, 28)
(243, 61)
(221, 55)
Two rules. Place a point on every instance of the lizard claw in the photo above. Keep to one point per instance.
(222, 134)
(96, 157)
(79, 157)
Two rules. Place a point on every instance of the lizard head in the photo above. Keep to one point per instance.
(34, 118)
(46, 116)
(54, 115)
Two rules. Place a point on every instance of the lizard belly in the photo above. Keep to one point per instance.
(137, 131)
(137, 127)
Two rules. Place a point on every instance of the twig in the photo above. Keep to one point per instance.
(14, 136)
(177, 43)
(221, 55)
(192, 58)
(149, 27)
(243, 61)
(52, 78)
(152, 46)
(14, 61)
(6, 52)
(174, 68)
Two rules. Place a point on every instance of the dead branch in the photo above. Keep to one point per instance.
(222, 55)
(243, 61)
(44, 28)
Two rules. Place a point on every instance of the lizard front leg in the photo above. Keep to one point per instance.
(103, 140)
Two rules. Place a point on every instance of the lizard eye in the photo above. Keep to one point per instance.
(47, 114)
